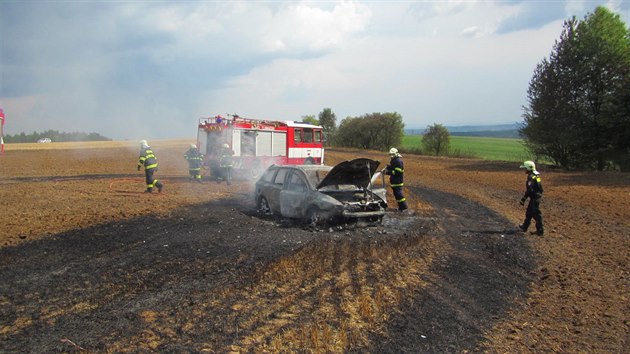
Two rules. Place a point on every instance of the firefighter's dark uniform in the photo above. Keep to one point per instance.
(195, 160)
(395, 170)
(149, 161)
(533, 191)
(309, 160)
(226, 164)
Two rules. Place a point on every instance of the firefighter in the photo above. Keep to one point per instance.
(309, 160)
(149, 161)
(396, 170)
(195, 160)
(533, 191)
(226, 163)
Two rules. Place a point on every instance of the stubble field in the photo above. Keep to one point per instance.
(89, 262)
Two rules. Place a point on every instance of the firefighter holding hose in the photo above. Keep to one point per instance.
(396, 170)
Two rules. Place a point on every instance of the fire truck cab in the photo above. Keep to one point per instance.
(255, 144)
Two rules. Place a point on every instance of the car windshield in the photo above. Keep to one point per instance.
(315, 176)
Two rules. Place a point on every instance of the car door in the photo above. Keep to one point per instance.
(275, 192)
(294, 195)
(270, 186)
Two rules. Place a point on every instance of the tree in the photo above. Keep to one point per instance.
(371, 131)
(328, 121)
(310, 119)
(578, 113)
(436, 139)
(389, 129)
(604, 41)
(345, 135)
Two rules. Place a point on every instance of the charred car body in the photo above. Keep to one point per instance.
(320, 194)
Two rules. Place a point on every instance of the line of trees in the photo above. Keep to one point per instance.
(377, 131)
(53, 135)
(578, 112)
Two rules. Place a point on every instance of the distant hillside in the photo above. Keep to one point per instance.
(492, 131)
(512, 133)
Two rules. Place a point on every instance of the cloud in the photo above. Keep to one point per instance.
(531, 15)
(150, 69)
(299, 28)
(534, 14)
(456, 78)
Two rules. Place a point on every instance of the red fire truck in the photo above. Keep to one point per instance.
(255, 144)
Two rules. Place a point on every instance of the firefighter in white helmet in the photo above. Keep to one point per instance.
(195, 161)
(533, 192)
(149, 161)
(396, 170)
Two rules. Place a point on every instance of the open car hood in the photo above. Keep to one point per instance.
(357, 172)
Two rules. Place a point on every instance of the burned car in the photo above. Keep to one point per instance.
(321, 194)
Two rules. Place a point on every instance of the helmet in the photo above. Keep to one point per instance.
(393, 151)
(529, 165)
(193, 146)
(144, 143)
(226, 146)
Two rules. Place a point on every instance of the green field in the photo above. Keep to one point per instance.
(503, 149)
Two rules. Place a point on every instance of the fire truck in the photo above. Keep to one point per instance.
(255, 144)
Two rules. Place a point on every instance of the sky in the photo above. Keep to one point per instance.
(151, 69)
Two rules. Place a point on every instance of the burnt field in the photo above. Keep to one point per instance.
(90, 263)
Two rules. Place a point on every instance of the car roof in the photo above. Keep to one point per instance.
(305, 167)
(311, 172)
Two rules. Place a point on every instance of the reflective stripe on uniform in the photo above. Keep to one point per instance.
(151, 185)
(398, 185)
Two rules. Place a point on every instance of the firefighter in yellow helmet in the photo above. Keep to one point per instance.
(149, 161)
(396, 170)
(195, 160)
(533, 192)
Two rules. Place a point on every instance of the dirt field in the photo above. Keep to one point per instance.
(89, 262)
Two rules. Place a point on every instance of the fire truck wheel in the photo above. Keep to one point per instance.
(255, 170)
(255, 173)
(263, 206)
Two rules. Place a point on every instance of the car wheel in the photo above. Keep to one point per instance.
(316, 217)
(376, 219)
(263, 206)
